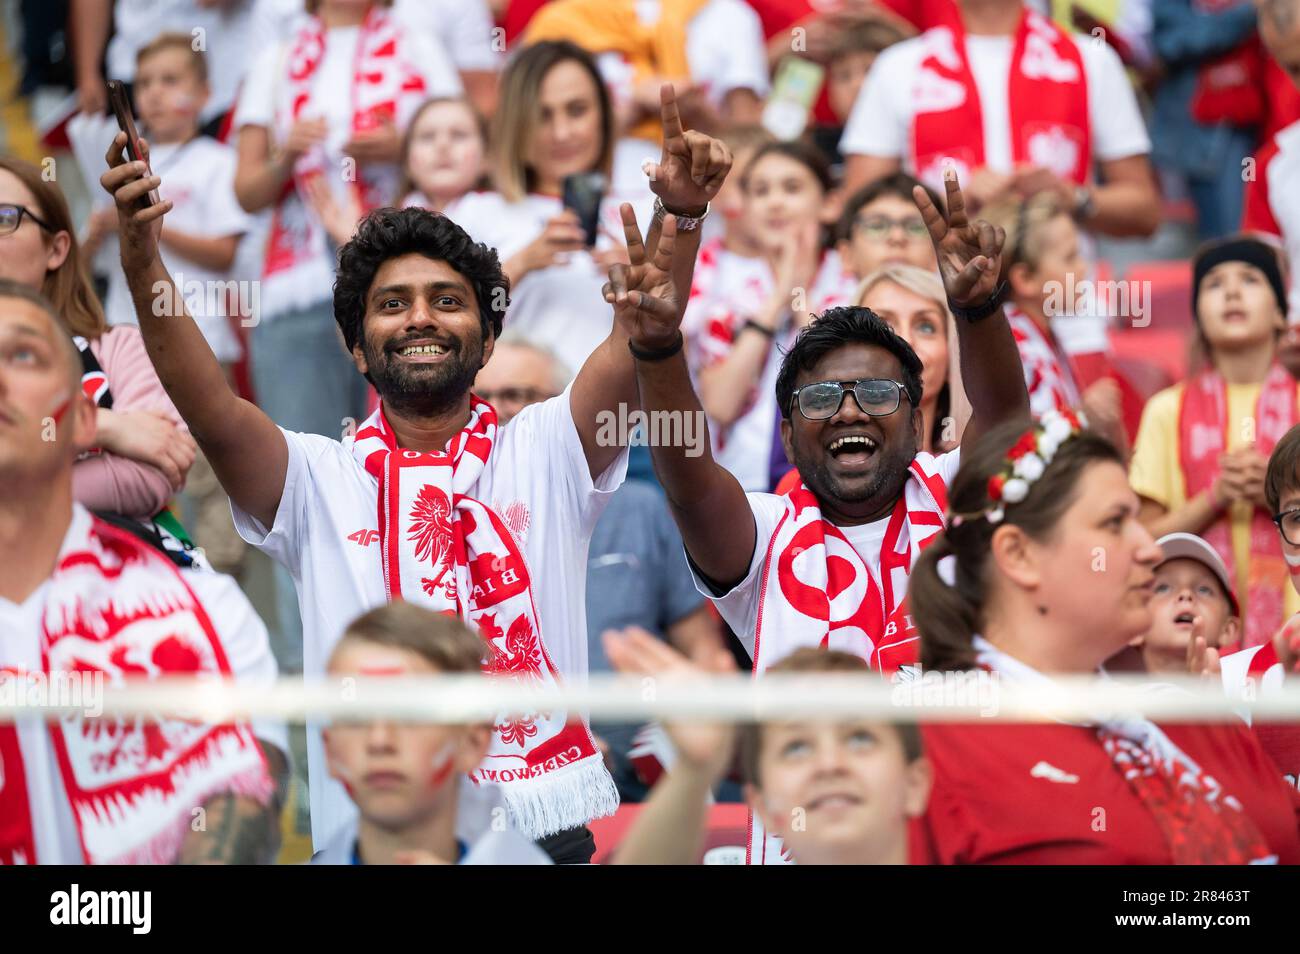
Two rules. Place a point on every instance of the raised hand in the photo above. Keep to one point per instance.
(969, 254)
(127, 182)
(692, 166)
(646, 301)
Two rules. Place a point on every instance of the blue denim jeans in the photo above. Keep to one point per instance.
(305, 381)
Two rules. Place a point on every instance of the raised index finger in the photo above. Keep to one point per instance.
(672, 120)
(934, 220)
(632, 235)
(956, 204)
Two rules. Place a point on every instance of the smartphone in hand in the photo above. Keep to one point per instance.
(583, 193)
(121, 105)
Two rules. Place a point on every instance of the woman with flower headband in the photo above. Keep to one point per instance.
(1045, 570)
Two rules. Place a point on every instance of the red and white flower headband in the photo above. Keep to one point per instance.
(1025, 463)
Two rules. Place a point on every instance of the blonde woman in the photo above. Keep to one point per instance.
(553, 120)
(912, 302)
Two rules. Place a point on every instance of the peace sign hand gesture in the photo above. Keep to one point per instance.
(692, 166)
(646, 301)
(969, 254)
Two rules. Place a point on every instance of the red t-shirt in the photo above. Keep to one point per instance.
(1049, 794)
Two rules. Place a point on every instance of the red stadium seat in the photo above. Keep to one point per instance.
(1166, 287)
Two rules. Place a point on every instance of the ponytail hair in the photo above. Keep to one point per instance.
(949, 615)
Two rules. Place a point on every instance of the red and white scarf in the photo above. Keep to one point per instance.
(1048, 377)
(1047, 102)
(819, 591)
(454, 554)
(118, 607)
(1202, 436)
(1201, 823)
(386, 88)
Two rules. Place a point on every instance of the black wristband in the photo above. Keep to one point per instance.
(765, 332)
(978, 312)
(656, 354)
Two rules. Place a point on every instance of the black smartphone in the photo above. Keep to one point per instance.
(583, 193)
(121, 105)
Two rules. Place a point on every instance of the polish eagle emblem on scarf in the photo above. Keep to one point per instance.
(431, 533)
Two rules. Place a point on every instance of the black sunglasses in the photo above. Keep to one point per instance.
(11, 216)
(878, 397)
(1288, 524)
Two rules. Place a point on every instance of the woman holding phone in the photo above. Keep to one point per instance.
(554, 121)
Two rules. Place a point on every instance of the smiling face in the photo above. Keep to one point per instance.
(922, 323)
(1237, 308)
(888, 230)
(169, 94)
(399, 775)
(856, 464)
(1184, 591)
(27, 253)
(422, 337)
(447, 150)
(838, 791)
(782, 196)
(40, 394)
(1094, 570)
(566, 135)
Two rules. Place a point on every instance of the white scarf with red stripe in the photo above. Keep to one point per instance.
(386, 88)
(1047, 102)
(454, 554)
(819, 591)
(1048, 377)
(117, 607)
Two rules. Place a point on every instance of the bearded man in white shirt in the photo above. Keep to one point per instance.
(429, 500)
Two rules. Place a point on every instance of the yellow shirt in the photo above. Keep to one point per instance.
(1156, 470)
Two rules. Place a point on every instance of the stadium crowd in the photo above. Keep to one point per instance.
(541, 338)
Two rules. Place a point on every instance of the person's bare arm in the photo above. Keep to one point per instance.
(1126, 203)
(670, 828)
(237, 830)
(689, 173)
(970, 261)
(90, 20)
(215, 254)
(261, 172)
(861, 169)
(246, 449)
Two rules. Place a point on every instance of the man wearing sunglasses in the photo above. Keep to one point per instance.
(827, 564)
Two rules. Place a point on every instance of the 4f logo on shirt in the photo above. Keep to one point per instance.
(364, 537)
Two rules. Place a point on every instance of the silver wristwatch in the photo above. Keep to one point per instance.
(685, 223)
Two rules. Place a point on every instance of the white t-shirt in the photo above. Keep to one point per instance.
(265, 98)
(199, 178)
(1272, 206)
(247, 648)
(739, 605)
(462, 27)
(562, 306)
(224, 32)
(537, 468)
(881, 121)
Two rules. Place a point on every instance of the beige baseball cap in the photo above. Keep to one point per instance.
(1188, 546)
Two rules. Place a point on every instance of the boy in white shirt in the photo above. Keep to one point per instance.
(403, 778)
(205, 225)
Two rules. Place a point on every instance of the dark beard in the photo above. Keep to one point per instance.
(417, 390)
(882, 489)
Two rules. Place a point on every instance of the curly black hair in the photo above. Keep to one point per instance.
(390, 233)
(834, 328)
